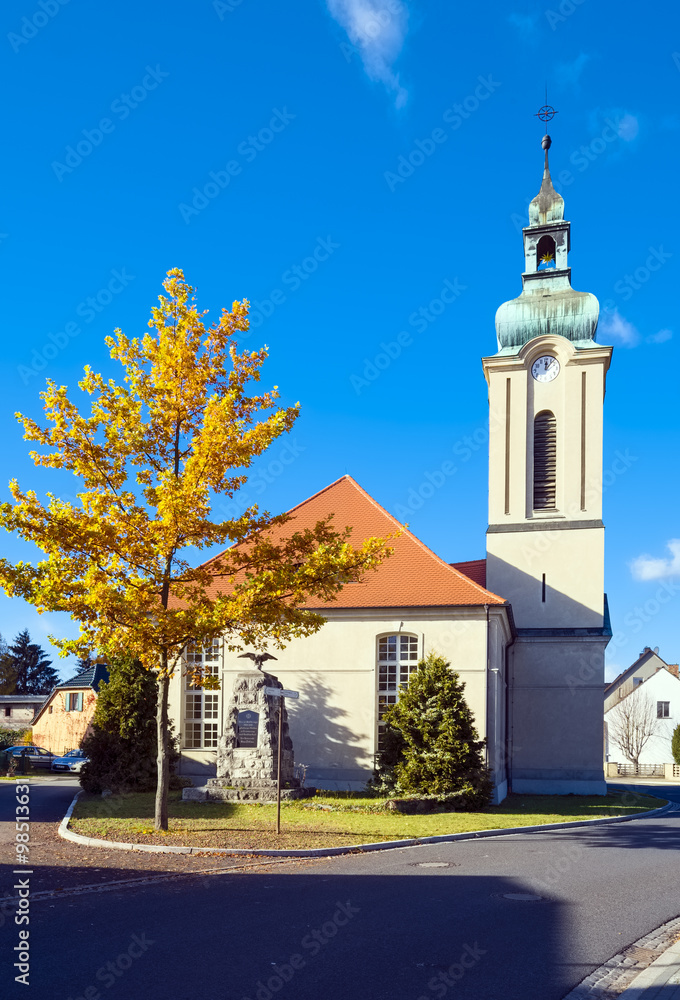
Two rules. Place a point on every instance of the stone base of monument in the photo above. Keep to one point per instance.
(215, 791)
(247, 752)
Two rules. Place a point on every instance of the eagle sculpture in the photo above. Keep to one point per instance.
(257, 658)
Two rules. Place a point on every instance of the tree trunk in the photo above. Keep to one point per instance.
(161, 814)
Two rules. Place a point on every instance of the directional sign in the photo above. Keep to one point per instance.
(281, 693)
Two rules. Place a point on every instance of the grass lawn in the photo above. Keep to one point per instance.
(325, 821)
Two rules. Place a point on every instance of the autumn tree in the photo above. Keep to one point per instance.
(154, 454)
(632, 724)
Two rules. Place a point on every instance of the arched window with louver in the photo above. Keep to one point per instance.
(545, 460)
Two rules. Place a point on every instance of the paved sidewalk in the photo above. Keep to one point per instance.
(661, 981)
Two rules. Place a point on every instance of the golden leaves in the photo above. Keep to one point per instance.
(157, 448)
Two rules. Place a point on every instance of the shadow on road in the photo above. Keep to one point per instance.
(420, 933)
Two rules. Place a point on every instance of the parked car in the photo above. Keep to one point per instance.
(36, 755)
(71, 761)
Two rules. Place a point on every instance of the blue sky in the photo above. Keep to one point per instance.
(257, 145)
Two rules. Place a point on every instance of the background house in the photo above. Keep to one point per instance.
(65, 718)
(655, 681)
(18, 710)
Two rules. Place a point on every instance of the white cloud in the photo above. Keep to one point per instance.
(569, 74)
(659, 338)
(648, 568)
(525, 24)
(626, 123)
(377, 28)
(629, 126)
(614, 326)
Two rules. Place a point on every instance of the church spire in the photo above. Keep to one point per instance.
(548, 205)
(548, 303)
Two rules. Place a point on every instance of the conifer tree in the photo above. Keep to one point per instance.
(32, 670)
(122, 746)
(675, 744)
(431, 744)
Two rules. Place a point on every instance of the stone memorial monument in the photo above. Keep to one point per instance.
(247, 751)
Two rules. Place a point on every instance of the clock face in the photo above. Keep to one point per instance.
(545, 368)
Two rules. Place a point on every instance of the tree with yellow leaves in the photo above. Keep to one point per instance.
(152, 457)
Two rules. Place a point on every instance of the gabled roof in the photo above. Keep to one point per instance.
(413, 576)
(91, 677)
(645, 655)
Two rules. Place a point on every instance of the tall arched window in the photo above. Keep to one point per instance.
(201, 707)
(545, 460)
(397, 660)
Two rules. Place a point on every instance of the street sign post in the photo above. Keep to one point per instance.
(279, 693)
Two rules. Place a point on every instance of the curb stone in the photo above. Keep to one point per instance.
(325, 852)
(612, 979)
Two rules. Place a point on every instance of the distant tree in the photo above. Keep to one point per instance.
(84, 662)
(33, 671)
(8, 678)
(675, 744)
(431, 744)
(122, 747)
(632, 724)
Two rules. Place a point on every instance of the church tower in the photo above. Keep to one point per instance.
(545, 541)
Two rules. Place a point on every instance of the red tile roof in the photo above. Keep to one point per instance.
(413, 576)
(475, 569)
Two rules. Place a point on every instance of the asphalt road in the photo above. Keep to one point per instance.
(389, 924)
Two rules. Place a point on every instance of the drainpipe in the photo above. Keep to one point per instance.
(509, 692)
(488, 653)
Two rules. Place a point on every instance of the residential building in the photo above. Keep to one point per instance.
(17, 710)
(65, 718)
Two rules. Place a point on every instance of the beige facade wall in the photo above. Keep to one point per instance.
(550, 563)
(334, 723)
(20, 716)
(563, 397)
(58, 730)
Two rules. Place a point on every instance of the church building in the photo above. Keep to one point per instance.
(525, 627)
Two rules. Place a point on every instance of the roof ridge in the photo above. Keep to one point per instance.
(425, 547)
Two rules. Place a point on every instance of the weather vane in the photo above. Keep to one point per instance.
(547, 112)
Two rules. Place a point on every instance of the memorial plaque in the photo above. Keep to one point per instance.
(246, 731)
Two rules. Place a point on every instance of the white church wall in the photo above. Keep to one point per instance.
(333, 725)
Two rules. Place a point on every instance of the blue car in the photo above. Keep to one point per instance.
(71, 761)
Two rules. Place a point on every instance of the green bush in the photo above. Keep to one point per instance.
(12, 737)
(675, 745)
(122, 746)
(431, 746)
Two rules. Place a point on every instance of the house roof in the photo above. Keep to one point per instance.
(91, 677)
(646, 654)
(475, 569)
(413, 576)
(22, 699)
(668, 668)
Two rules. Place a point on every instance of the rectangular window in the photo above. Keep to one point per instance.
(397, 660)
(663, 709)
(74, 701)
(8, 712)
(201, 707)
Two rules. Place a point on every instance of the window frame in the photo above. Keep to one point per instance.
(388, 687)
(663, 709)
(201, 707)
